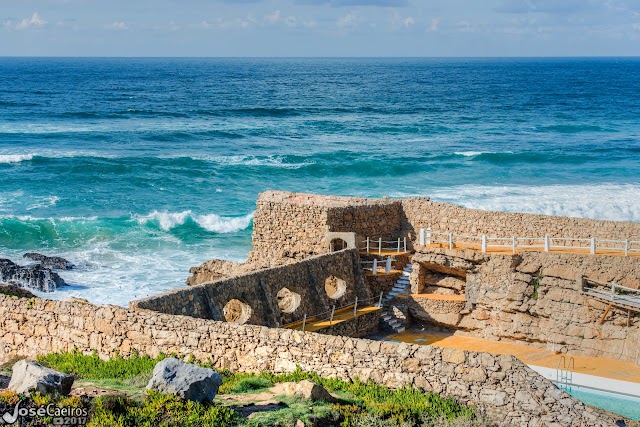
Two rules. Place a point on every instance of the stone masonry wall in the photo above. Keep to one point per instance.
(537, 298)
(259, 290)
(504, 388)
(420, 212)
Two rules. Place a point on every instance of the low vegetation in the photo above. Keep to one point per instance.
(357, 403)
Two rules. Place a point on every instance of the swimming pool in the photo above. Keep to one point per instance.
(620, 404)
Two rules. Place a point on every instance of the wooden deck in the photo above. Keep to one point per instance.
(315, 324)
(554, 250)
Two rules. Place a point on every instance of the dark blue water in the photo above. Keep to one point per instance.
(137, 169)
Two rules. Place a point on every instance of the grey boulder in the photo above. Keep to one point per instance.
(184, 380)
(51, 262)
(29, 377)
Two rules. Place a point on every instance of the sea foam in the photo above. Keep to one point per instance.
(211, 222)
(15, 158)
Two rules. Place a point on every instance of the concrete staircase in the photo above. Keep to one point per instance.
(394, 307)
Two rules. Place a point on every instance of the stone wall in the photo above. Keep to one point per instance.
(259, 290)
(537, 298)
(420, 212)
(504, 388)
(292, 226)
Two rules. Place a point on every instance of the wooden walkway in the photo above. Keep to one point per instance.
(553, 250)
(314, 324)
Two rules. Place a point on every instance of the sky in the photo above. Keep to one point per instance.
(320, 28)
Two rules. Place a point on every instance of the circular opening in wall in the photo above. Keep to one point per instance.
(288, 301)
(335, 287)
(237, 311)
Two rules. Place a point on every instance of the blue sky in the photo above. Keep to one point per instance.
(319, 27)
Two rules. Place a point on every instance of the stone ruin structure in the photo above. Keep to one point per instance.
(307, 259)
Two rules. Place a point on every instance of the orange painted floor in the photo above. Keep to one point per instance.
(508, 251)
(314, 324)
(608, 368)
(439, 297)
(383, 274)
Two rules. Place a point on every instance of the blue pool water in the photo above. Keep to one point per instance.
(137, 169)
(626, 406)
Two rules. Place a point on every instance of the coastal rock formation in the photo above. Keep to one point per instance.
(187, 381)
(15, 290)
(34, 277)
(29, 377)
(532, 297)
(215, 269)
(51, 262)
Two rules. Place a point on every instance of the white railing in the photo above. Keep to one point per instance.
(372, 245)
(546, 243)
(374, 266)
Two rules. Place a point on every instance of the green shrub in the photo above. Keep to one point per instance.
(245, 384)
(93, 368)
(159, 410)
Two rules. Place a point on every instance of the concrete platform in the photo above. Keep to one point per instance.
(457, 298)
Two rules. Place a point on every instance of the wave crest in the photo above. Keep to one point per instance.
(211, 222)
(15, 158)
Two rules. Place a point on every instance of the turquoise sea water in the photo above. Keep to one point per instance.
(137, 169)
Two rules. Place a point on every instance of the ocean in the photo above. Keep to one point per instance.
(138, 169)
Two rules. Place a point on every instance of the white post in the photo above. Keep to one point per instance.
(593, 246)
(380, 300)
(626, 247)
(613, 291)
(422, 236)
(450, 240)
(398, 245)
(513, 244)
(380, 246)
(304, 321)
(547, 243)
(484, 243)
(333, 310)
(375, 266)
(405, 244)
(428, 236)
(387, 267)
(355, 307)
(367, 245)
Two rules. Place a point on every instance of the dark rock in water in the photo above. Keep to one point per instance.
(35, 277)
(15, 291)
(52, 262)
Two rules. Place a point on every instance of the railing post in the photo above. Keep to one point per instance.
(355, 307)
(380, 300)
(405, 244)
(514, 244)
(367, 245)
(333, 310)
(380, 246)
(484, 243)
(398, 245)
(593, 246)
(547, 243)
(387, 267)
(374, 270)
(423, 237)
(626, 247)
(450, 240)
(428, 236)
(304, 321)
(613, 291)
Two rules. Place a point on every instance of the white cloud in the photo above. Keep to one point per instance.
(273, 17)
(408, 21)
(348, 20)
(35, 21)
(118, 25)
(435, 25)
(636, 26)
